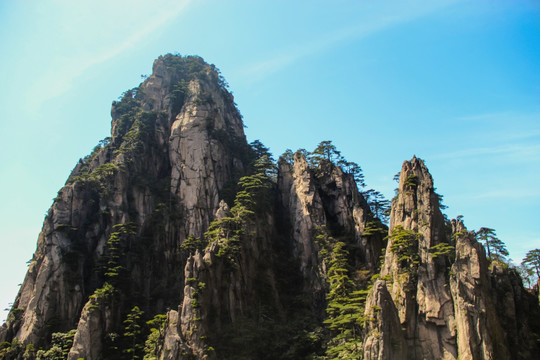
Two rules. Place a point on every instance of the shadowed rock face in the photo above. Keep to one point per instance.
(147, 221)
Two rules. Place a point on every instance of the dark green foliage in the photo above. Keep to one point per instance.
(178, 94)
(11, 350)
(443, 249)
(254, 194)
(140, 134)
(527, 274)
(374, 227)
(531, 261)
(15, 314)
(354, 169)
(135, 338)
(99, 180)
(60, 345)
(103, 173)
(192, 244)
(325, 151)
(261, 332)
(287, 156)
(440, 198)
(302, 152)
(265, 338)
(252, 199)
(345, 301)
(133, 334)
(103, 294)
(380, 207)
(117, 244)
(263, 162)
(227, 232)
(187, 68)
(151, 344)
(410, 183)
(326, 154)
(496, 249)
(405, 246)
(238, 148)
(124, 112)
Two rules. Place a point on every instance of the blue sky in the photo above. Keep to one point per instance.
(456, 83)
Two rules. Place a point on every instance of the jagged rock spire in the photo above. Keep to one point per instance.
(440, 284)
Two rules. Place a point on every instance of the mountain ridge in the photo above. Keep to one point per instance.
(176, 239)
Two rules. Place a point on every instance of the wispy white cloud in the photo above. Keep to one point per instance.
(507, 135)
(485, 116)
(522, 244)
(525, 151)
(394, 14)
(53, 82)
(511, 193)
(502, 116)
(154, 23)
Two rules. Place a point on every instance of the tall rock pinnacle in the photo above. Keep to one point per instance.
(439, 281)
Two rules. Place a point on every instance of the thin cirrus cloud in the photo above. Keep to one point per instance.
(53, 83)
(508, 135)
(522, 152)
(503, 116)
(511, 193)
(395, 13)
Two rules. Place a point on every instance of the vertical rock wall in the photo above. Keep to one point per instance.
(416, 278)
(327, 199)
(451, 303)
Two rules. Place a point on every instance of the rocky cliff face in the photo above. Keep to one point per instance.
(417, 278)
(175, 239)
(176, 143)
(443, 287)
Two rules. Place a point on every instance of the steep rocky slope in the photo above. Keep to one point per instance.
(447, 300)
(176, 239)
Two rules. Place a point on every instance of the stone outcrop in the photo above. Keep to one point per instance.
(418, 283)
(324, 200)
(304, 205)
(479, 333)
(172, 345)
(96, 320)
(451, 302)
(201, 164)
(384, 339)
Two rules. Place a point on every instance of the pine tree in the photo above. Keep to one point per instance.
(378, 204)
(116, 245)
(325, 151)
(532, 261)
(151, 343)
(496, 249)
(345, 307)
(405, 246)
(132, 334)
(526, 273)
